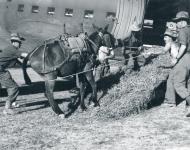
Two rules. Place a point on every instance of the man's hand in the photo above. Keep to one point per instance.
(24, 55)
(20, 60)
(140, 48)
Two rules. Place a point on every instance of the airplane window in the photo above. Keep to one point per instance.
(35, 9)
(51, 10)
(88, 14)
(110, 16)
(68, 12)
(148, 23)
(20, 7)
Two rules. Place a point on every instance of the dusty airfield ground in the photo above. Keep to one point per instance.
(36, 127)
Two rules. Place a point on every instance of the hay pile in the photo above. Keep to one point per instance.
(135, 91)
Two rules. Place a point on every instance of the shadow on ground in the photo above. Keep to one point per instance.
(158, 96)
(39, 87)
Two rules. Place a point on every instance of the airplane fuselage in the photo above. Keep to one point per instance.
(46, 18)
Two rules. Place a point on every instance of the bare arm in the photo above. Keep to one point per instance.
(181, 51)
(166, 48)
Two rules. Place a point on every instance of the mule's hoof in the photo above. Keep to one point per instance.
(89, 103)
(84, 108)
(62, 115)
(97, 105)
(9, 111)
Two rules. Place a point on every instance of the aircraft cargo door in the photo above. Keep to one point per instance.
(127, 12)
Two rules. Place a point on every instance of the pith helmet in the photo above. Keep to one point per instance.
(16, 37)
(182, 15)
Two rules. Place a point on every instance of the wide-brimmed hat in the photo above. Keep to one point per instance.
(182, 15)
(16, 37)
(135, 26)
(170, 33)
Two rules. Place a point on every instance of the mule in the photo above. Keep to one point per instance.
(55, 59)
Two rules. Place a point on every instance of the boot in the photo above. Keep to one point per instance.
(8, 110)
(167, 103)
(188, 106)
(187, 111)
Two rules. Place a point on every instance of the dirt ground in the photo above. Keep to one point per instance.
(36, 127)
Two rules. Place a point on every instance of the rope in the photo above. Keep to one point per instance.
(82, 72)
(78, 46)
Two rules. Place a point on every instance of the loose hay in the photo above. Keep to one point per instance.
(135, 91)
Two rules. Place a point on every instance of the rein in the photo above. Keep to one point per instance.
(92, 42)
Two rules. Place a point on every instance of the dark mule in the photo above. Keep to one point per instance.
(107, 40)
(55, 59)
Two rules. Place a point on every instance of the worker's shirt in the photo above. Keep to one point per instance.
(104, 52)
(8, 56)
(184, 37)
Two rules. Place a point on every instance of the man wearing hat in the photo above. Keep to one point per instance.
(8, 57)
(173, 47)
(105, 52)
(134, 43)
(182, 60)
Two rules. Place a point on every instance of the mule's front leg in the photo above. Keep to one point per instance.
(49, 85)
(25, 74)
(82, 92)
(91, 80)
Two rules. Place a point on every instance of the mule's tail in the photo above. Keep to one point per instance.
(25, 74)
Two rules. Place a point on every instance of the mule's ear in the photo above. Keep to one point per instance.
(106, 27)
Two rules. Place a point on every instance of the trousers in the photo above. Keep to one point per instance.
(178, 80)
(7, 81)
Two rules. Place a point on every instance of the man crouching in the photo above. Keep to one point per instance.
(8, 56)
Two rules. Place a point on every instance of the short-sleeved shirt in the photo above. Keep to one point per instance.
(8, 56)
(184, 37)
(104, 52)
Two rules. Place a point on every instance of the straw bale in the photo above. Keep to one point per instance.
(135, 91)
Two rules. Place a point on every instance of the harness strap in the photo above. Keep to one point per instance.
(78, 47)
(92, 42)
(43, 57)
(77, 80)
(84, 43)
